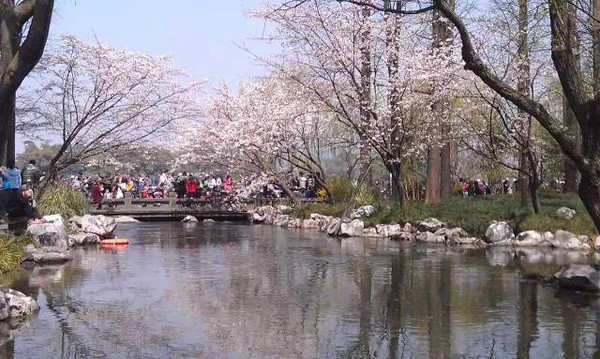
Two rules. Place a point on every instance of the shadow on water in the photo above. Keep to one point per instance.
(237, 291)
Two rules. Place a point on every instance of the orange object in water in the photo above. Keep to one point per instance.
(114, 242)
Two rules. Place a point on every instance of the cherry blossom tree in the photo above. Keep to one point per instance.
(267, 130)
(99, 100)
(326, 41)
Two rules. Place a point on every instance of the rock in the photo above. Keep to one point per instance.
(49, 234)
(264, 214)
(209, 221)
(567, 240)
(499, 233)
(466, 241)
(15, 304)
(103, 226)
(189, 219)
(284, 209)
(579, 277)
(565, 213)
(389, 230)
(452, 233)
(364, 211)
(430, 225)
(370, 233)
(531, 238)
(82, 239)
(282, 220)
(311, 224)
(257, 218)
(403, 236)
(352, 229)
(429, 237)
(322, 220)
(55, 218)
(295, 223)
(46, 255)
(125, 219)
(408, 228)
(333, 226)
(597, 244)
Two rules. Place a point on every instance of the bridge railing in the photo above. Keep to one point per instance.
(129, 204)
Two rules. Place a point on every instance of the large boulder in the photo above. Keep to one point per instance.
(352, 229)
(14, 304)
(83, 239)
(188, 219)
(49, 234)
(533, 239)
(102, 226)
(579, 277)
(565, 213)
(430, 225)
(389, 230)
(45, 255)
(499, 233)
(295, 223)
(364, 211)
(568, 240)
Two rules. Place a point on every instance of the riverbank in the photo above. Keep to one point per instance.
(473, 214)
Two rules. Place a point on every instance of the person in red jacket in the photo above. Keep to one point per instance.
(96, 194)
(190, 187)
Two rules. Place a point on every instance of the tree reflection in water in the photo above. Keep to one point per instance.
(243, 291)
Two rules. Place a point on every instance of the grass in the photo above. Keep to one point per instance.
(11, 251)
(474, 214)
(62, 200)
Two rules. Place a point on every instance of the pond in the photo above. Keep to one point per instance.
(237, 291)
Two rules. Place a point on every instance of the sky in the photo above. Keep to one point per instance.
(202, 36)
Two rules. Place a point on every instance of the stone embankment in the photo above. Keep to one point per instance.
(430, 230)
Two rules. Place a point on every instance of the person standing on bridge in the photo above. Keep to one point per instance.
(190, 187)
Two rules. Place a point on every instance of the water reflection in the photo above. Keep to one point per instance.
(229, 291)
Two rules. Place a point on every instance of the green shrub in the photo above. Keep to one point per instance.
(11, 251)
(63, 200)
(341, 189)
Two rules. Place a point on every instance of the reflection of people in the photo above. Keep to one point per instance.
(21, 205)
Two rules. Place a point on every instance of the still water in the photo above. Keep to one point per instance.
(234, 291)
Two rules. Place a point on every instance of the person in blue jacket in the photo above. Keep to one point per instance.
(11, 176)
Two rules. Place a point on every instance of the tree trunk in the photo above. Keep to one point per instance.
(446, 177)
(569, 119)
(523, 86)
(18, 59)
(438, 160)
(365, 96)
(432, 186)
(534, 183)
(398, 191)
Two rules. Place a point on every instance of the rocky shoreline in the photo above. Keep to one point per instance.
(430, 230)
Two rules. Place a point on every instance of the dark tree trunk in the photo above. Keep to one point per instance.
(446, 175)
(398, 192)
(18, 59)
(569, 118)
